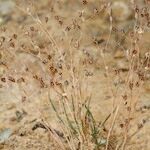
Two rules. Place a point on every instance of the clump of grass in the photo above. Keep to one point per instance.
(77, 123)
(77, 127)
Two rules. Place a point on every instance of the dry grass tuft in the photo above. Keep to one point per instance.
(58, 54)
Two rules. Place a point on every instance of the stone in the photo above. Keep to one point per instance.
(5, 134)
(121, 11)
(6, 7)
(143, 105)
(122, 65)
(119, 54)
(147, 85)
(2, 70)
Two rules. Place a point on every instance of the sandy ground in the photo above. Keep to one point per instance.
(24, 98)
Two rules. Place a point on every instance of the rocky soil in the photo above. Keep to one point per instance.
(24, 66)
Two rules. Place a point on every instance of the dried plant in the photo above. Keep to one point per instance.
(65, 68)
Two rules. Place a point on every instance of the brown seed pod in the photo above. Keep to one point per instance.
(3, 79)
(114, 29)
(53, 70)
(140, 125)
(137, 84)
(121, 125)
(11, 79)
(60, 22)
(84, 2)
(137, 10)
(20, 80)
(12, 44)
(15, 36)
(68, 28)
(32, 28)
(134, 52)
(142, 15)
(42, 83)
(49, 57)
(131, 85)
(46, 19)
(52, 83)
(36, 77)
(24, 98)
(125, 97)
(2, 38)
